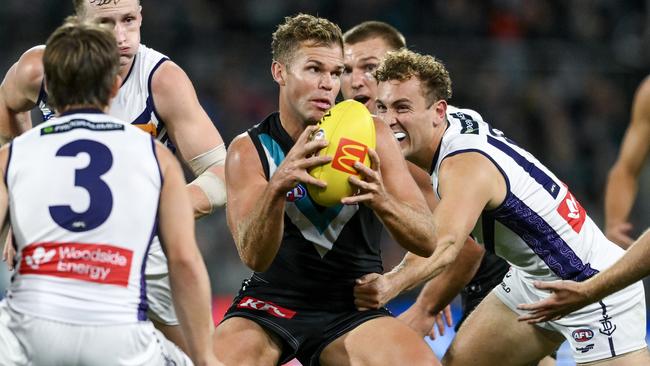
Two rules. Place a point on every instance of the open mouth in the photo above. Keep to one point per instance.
(322, 104)
(399, 136)
(362, 98)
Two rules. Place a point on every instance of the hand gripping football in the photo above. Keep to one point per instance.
(350, 130)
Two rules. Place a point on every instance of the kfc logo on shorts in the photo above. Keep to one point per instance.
(347, 153)
(297, 193)
(571, 210)
(582, 335)
(269, 307)
(98, 263)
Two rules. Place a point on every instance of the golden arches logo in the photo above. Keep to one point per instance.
(347, 153)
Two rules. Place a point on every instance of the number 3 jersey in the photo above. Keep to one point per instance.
(540, 227)
(83, 196)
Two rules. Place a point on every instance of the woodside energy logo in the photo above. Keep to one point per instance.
(98, 263)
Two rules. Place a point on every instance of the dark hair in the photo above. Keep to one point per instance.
(81, 62)
(375, 29)
(403, 64)
(300, 28)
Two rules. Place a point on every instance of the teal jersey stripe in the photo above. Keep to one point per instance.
(320, 217)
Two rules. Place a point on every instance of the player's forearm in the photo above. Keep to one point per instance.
(259, 235)
(631, 267)
(208, 190)
(191, 294)
(410, 226)
(445, 280)
(619, 195)
(443, 288)
(13, 124)
(414, 270)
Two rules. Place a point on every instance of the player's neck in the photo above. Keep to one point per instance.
(81, 107)
(291, 121)
(425, 158)
(125, 69)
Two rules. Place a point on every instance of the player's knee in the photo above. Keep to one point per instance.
(416, 354)
(238, 346)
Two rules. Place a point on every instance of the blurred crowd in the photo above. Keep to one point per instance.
(556, 76)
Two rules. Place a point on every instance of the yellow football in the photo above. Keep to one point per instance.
(350, 130)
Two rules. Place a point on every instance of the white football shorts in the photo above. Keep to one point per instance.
(159, 292)
(52, 343)
(611, 327)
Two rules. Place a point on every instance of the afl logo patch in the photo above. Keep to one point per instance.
(582, 335)
(297, 193)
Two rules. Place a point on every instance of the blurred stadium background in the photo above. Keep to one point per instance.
(556, 76)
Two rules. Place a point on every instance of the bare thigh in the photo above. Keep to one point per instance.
(491, 335)
(242, 342)
(380, 341)
(547, 361)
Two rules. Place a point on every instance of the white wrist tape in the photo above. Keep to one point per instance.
(213, 187)
(201, 163)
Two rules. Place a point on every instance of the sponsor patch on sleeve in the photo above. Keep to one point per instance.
(571, 210)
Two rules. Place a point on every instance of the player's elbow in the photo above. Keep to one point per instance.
(184, 265)
(426, 246)
(473, 249)
(424, 250)
(448, 248)
(256, 263)
(253, 258)
(622, 170)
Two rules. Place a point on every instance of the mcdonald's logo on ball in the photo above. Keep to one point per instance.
(350, 130)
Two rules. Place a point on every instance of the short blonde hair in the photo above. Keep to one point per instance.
(81, 62)
(303, 28)
(403, 64)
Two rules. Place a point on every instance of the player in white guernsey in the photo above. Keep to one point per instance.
(510, 202)
(365, 45)
(82, 234)
(157, 96)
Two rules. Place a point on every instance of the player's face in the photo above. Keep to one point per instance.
(413, 119)
(127, 16)
(312, 82)
(361, 60)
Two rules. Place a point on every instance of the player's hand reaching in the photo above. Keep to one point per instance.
(423, 322)
(302, 156)
(620, 234)
(372, 291)
(566, 297)
(442, 318)
(371, 187)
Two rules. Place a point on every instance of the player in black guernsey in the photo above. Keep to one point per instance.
(299, 301)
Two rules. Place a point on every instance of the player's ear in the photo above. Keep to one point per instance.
(440, 111)
(278, 70)
(116, 86)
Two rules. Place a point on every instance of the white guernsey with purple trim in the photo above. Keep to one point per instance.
(545, 234)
